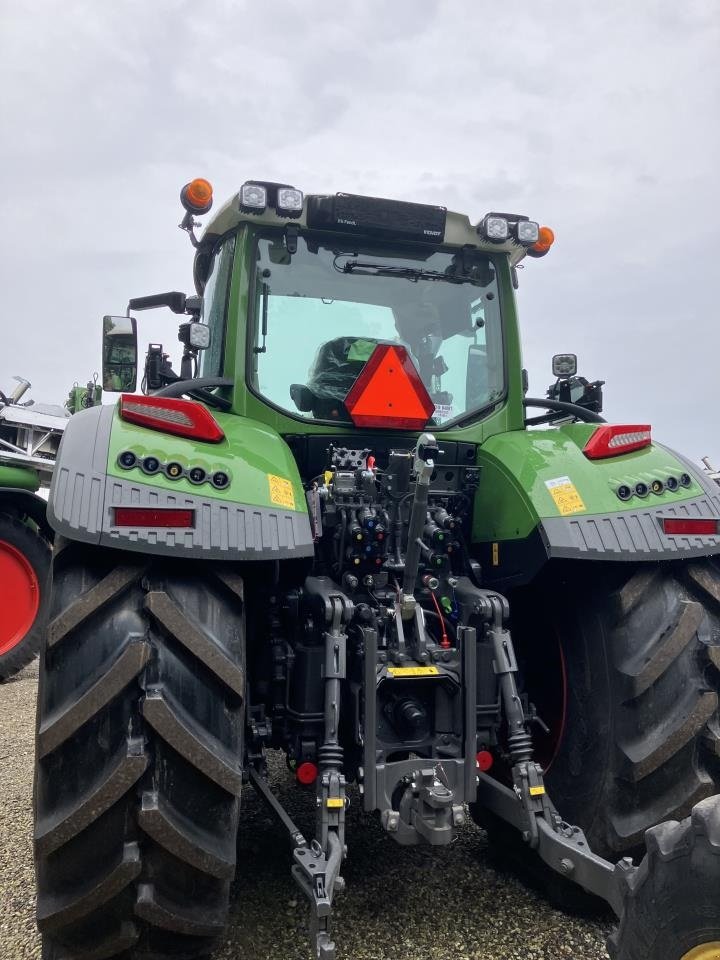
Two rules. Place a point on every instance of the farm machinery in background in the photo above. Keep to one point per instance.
(30, 435)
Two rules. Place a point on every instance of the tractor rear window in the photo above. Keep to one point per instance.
(320, 312)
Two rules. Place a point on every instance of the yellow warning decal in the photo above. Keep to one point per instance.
(334, 803)
(565, 494)
(413, 671)
(537, 791)
(281, 491)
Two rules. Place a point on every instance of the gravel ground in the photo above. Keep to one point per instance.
(399, 904)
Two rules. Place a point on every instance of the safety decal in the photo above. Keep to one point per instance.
(565, 494)
(443, 411)
(413, 671)
(281, 491)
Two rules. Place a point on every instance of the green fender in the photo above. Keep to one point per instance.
(541, 498)
(259, 512)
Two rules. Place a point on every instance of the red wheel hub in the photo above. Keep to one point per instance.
(19, 596)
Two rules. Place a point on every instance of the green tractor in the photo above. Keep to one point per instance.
(341, 531)
(30, 435)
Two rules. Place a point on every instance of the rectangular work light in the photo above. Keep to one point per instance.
(252, 197)
(495, 228)
(527, 232)
(289, 202)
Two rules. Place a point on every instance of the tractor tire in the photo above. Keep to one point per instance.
(139, 755)
(24, 594)
(639, 742)
(671, 903)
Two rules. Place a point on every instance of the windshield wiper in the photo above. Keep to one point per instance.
(404, 273)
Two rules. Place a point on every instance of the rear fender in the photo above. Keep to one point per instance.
(260, 514)
(541, 498)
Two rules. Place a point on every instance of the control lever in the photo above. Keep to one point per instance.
(423, 466)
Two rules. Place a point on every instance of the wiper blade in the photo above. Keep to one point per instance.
(404, 273)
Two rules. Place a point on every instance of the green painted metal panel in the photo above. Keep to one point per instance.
(519, 467)
(261, 467)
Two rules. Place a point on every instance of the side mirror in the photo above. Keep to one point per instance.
(119, 354)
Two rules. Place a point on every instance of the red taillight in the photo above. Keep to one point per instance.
(184, 418)
(306, 773)
(484, 760)
(690, 525)
(389, 392)
(612, 441)
(153, 517)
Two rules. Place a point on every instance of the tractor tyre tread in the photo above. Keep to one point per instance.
(139, 757)
(665, 685)
(670, 901)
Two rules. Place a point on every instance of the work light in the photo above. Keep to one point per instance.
(253, 198)
(496, 228)
(289, 202)
(527, 232)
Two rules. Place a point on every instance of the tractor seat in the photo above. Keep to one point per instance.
(334, 370)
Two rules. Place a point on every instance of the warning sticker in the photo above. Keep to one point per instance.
(565, 494)
(413, 671)
(443, 411)
(281, 491)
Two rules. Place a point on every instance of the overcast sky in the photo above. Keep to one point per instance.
(599, 119)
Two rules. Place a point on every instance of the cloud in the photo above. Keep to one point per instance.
(594, 118)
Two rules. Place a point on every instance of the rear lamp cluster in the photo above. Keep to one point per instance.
(616, 439)
(173, 470)
(182, 418)
(641, 489)
(256, 197)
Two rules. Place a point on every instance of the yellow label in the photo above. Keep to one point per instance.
(537, 791)
(495, 554)
(413, 671)
(281, 491)
(565, 494)
(334, 803)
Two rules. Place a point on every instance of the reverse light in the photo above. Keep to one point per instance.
(153, 517)
(615, 440)
(197, 196)
(495, 228)
(389, 392)
(253, 198)
(694, 526)
(289, 202)
(183, 418)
